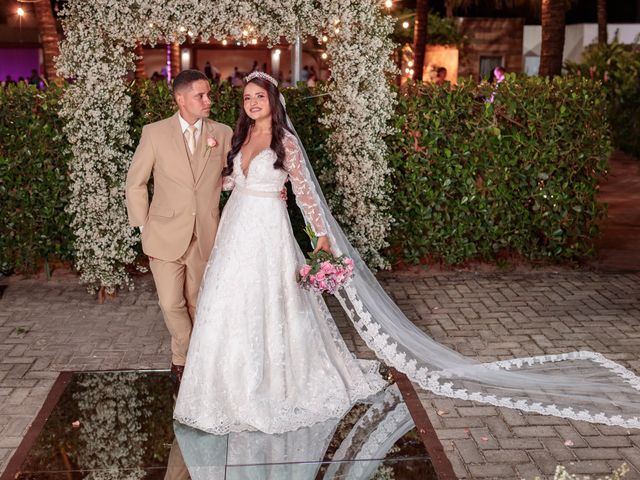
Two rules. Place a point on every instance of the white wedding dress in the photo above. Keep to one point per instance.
(266, 355)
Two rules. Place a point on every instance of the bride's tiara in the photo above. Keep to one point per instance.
(262, 75)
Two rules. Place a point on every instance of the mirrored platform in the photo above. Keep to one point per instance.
(118, 425)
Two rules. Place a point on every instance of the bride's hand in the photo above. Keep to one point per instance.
(323, 244)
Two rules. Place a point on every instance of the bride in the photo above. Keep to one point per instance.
(266, 355)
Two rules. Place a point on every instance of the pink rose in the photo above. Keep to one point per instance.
(304, 271)
(320, 275)
(211, 142)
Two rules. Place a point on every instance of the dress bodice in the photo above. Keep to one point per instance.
(263, 177)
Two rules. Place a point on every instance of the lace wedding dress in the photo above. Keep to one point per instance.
(266, 355)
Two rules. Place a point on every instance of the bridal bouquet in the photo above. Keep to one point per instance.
(324, 272)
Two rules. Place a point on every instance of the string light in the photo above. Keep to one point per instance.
(337, 30)
(20, 12)
(254, 41)
(324, 38)
(410, 63)
(182, 29)
(324, 55)
(224, 42)
(388, 3)
(405, 24)
(190, 33)
(244, 33)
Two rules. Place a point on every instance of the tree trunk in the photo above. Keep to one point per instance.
(420, 38)
(49, 37)
(448, 5)
(174, 56)
(602, 21)
(553, 24)
(140, 73)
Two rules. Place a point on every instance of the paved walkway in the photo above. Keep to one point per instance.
(619, 245)
(46, 327)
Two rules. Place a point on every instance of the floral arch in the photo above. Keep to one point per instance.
(98, 53)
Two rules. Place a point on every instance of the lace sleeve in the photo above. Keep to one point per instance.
(303, 188)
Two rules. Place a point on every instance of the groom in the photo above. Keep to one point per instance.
(186, 154)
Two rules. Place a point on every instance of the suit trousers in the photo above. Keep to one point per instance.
(178, 284)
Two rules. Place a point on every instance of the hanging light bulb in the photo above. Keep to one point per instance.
(324, 38)
(254, 41)
(388, 3)
(324, 55)
(405, 24)
(410, 63)
(20, 12)
(224, 42)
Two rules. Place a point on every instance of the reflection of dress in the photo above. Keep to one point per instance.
(300, 454)
(264, 354)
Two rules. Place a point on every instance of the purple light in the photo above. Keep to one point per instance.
(18, 62)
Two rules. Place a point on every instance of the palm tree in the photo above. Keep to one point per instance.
(602, 21)
(448, 6)
(420, 37)
(140, 73)
(553, 25)
(49, 36)
(552, 13)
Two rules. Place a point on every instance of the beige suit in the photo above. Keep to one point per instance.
(180, 223)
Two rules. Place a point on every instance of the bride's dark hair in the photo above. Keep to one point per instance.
(244, 124)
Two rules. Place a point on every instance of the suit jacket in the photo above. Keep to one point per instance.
(186, 197)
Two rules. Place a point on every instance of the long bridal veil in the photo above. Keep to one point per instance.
(579, 385)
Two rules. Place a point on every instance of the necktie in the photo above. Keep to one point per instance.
(190, 135)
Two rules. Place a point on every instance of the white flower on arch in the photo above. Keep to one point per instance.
(97, 53)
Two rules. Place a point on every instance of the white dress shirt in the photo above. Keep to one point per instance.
(184, 125)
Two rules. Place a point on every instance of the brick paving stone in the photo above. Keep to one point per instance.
(492, 470)
(47, 327)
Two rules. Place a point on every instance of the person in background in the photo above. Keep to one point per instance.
(311, 81)
(304, 75)
(208, 71)
(9, 81)
(236, 79)
(497, 77)
(441, 76)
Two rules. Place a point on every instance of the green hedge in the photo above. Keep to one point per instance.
(617, 66)
(470, 179)
(475, 179)
(34, 181)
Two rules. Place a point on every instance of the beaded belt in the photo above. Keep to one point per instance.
(256, 193)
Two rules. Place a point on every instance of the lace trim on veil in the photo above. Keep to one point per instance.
(435, 381)
(569, 385)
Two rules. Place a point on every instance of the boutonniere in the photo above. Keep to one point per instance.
(211, 142)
